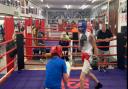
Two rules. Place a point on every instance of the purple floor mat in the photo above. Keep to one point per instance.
(27, 79)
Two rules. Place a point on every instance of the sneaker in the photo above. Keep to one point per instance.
(41, 60)
(110, 67)
(98, 86)
(100, 69)
(104, 69)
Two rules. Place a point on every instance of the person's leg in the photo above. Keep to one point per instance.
(106, 60)
(100, 66)
(94, 78)
(82, 79)
(84, 72)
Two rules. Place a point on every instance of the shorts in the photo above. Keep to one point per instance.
(86, 67)
(101, 52)
(85, 56)
(68, 65)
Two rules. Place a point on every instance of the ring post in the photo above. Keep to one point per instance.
(20, 51)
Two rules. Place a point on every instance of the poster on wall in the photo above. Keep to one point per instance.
(123, 12)
(29, 30)
(123, 6)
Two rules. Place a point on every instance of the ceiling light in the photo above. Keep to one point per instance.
(67, 6)
(94, 1)
(47, 6)
(17, 0)
(84, 6)
(41, 0)
(104, 7)
(32, 7)
(2, 16)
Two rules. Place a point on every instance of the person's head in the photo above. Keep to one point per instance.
(103, 27)
(63, 35)
(89, 26)
(56, 51)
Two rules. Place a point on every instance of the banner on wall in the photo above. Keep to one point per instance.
(122, 14)
(29, 30)
(123, 19)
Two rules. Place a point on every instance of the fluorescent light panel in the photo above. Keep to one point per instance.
(84, 6)
(67, 6)
(94, 1)
(42, 0)
(104, 7)
(47, 6)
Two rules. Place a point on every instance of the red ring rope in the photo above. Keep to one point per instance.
(7, 75)
(53, 39)
(8, 52)
(70, 55)
(7, 65)
(3, 43)
(107, 63)
(69, 46)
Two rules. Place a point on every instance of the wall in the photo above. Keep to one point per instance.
(113, 16)
(8, 9)
(75, 15)
(122, 17)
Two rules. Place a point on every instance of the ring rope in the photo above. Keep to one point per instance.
(68, 46)
(3, 43)
(4, 78)
(8, 52)
(7, 65)
(52, 39)
(100, 63)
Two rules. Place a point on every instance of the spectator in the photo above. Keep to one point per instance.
(64, 42)
(56, 70)
(104, 37)
(75, 36)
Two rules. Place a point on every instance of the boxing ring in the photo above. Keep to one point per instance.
(16, 78)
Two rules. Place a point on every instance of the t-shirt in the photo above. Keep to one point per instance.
(55, 69)
(104, 35)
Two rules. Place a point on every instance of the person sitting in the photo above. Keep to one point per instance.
(56, 70)
(65, 42)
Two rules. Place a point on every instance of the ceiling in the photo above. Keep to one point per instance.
(59, 4)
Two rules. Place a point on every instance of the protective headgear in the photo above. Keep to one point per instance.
(82, 26)
(56, 50)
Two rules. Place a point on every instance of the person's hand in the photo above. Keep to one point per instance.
(107, 40)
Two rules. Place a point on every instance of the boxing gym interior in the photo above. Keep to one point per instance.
(30, 28)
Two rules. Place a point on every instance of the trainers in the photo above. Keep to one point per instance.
(100, 69)
(98, 86)
(41, 60)
(104, 69)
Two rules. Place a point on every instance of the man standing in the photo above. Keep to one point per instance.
(55, 69)
(104, 37)
(86, 49)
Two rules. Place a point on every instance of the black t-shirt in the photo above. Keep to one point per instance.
(104, 35)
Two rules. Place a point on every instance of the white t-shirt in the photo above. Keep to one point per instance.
(87, 45)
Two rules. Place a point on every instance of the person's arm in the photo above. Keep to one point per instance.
(65, 75)
(93, 43)
(110, 38)
(99, 39)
